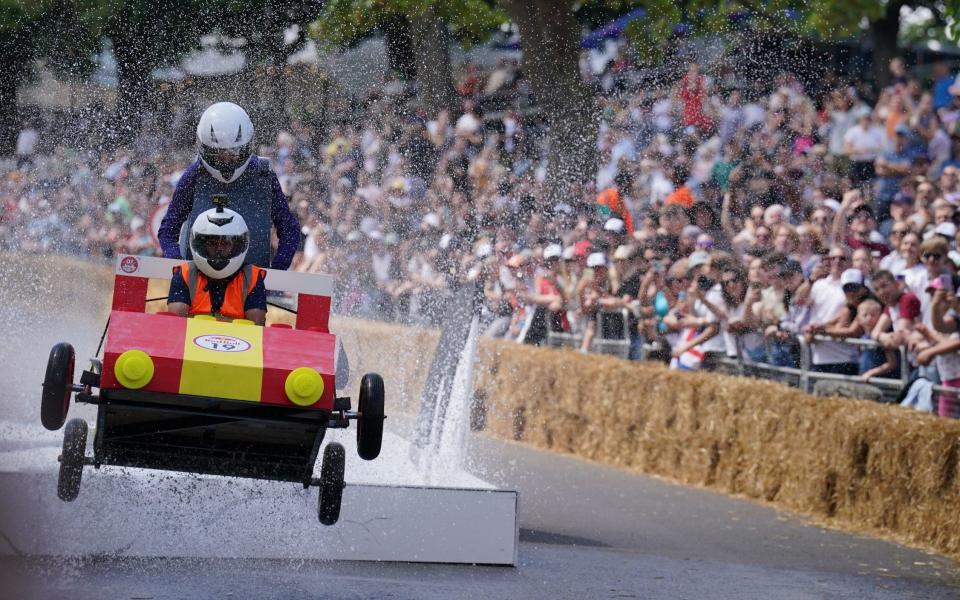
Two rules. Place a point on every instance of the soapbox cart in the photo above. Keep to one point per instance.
(205, 396)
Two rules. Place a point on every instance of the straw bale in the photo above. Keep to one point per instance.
(852, 464)
(48, 284)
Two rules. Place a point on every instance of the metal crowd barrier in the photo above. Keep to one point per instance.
(803, 377)
(599, 345)
(806, 375)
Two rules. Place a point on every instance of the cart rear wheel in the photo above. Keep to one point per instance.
(71, 460)
(370, 421)
(57, 386)
(331, 483)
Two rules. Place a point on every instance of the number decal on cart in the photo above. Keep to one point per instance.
(222, 343)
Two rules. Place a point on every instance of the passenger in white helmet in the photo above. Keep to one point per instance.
(218, 281)
(226, 165)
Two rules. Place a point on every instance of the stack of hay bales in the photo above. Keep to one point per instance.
(852, 463)
(51, 284)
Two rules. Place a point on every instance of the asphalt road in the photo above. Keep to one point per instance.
(587, 531)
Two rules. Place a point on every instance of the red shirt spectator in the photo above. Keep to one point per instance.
(692, 95)
(907, 307)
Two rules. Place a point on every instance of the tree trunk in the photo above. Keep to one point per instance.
(396, 33)
(550, 39)
(10, 76)
(15, 56)
(275, 118)
(134, 97)
(885, 32)
(134, 87)
(431, 49)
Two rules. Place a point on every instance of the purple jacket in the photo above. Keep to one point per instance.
(285, 222)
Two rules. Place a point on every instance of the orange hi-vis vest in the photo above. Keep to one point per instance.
(233, 298)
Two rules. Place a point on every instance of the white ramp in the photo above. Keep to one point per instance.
(134, 512)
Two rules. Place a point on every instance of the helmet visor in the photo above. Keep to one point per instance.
(225, 160)
(218, 249)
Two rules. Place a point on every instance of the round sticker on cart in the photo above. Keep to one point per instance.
(222, 343)
(129, 264)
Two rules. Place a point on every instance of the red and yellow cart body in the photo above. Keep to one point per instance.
(217, 397)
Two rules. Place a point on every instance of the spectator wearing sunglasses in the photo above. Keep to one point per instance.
(944, 346)
(705, 242)
(832, 266)
(933, 257)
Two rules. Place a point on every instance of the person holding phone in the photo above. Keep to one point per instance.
(933, 257)
(943, 350)
(702, 325)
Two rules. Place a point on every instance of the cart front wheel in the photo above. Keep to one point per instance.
(57, 386)
(71, 460)
(331, 483)
(370, 421)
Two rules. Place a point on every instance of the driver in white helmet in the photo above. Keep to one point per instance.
(218, 281)
(226, 166)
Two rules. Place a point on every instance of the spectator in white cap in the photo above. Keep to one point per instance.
(614, 225)
(828, 310)
(552, 251)
(696, 263)
(484, 249)
(615, 231)
(547, 298)
(947, 229)
(593, 292)
(852, 280)
(597, 260)
(431, 220)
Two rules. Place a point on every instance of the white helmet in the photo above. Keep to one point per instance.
(225, 140)
(219, 240)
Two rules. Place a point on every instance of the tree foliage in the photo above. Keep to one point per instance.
(951, 13)
(828, 20)
(64, 32)
(262, 23)
(342, 23)
(61, 31)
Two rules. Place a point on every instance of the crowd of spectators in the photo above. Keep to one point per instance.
(725, 217)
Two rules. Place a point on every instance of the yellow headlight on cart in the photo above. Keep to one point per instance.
(304, 386)
(133, 369)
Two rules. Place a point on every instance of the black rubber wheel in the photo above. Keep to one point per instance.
(331, 483)
(370, 421)
(57, 386)
(71, 460)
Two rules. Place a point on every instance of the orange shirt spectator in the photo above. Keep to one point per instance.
(610, 198)
(681, 196)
